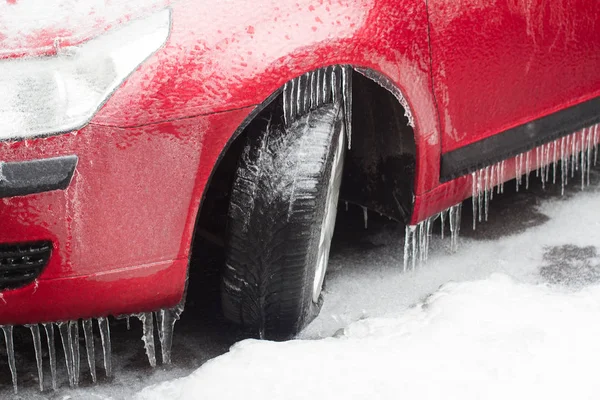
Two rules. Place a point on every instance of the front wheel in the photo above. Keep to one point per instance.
(280, 223)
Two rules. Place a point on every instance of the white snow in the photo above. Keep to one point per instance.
(493, 330)
(493, 339)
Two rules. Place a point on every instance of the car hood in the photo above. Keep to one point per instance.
(41, 27)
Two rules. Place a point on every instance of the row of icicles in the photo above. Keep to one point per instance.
(69, 333)
(576, 152)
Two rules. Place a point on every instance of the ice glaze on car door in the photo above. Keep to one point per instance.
(498, 64)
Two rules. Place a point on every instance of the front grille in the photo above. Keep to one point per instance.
(22, 263)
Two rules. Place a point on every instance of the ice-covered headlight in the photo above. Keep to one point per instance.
(61, 93)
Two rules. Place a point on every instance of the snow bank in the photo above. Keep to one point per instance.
(493, 339)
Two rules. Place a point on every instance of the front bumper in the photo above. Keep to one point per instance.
(121, 229)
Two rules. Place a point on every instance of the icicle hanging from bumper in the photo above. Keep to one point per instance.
(417, 237)
(88, 333)
(65, 336)
(166, 326)
(148, 336)
(49, 328)
(577, 152)
(10, 351)
(106, 345)
(37, 346)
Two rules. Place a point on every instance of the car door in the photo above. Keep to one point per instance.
(500, 64)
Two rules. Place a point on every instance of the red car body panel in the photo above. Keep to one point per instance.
(499, 64)
(122, 230)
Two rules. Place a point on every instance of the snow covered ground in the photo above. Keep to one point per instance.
(512, 314)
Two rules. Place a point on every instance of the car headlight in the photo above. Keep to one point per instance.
(60, 93)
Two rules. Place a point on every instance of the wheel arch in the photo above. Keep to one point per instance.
(375, 160)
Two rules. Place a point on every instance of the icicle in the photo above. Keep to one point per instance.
(325, 86)
(298, 97)
(168, 317)
(365, 216)
(10, 351)
(409, 245)
(589, 155)
(65, 337)
(518, 165)
(414, 247)
(106, 346)
(485, 193)
(127, 318)
(74, 338)
(313, 90)
(148, 336)
(88, 333)
(428, 224)
(527, 170)
(595, 144)
(564, 166)
(554, 161)
(547, 163)
(347, 101)
(442, 221)
(37, 346)
(454, 216)
(501, 177)
(286, 103)
(473, 198)
(306, 93)
(49, 327)
(346, 204)
(479, 196)
(538, 164)
(573, 153)
(420, 237)
(492, 183)
(582, 138)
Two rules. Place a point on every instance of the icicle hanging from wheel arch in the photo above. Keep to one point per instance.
(312, 90)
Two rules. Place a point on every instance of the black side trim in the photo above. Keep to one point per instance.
(36, 176)
(518, 140)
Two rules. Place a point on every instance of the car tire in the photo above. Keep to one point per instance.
(280, 223)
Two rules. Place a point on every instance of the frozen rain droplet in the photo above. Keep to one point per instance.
(88, 333)
(106, 346)
(10, 351)
(49, 327)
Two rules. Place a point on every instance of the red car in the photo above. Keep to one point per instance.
(128, 127)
